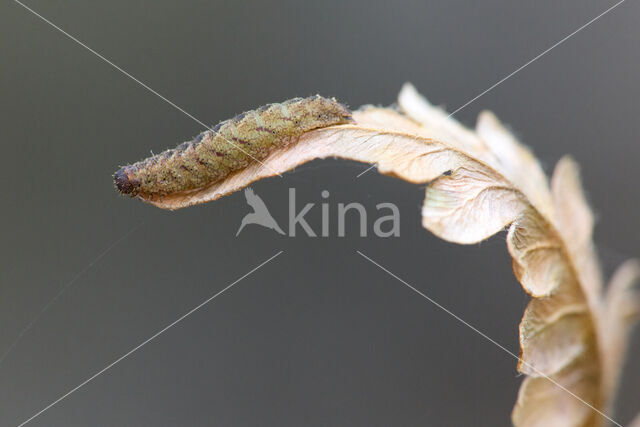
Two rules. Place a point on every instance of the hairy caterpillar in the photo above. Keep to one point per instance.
(229, 146)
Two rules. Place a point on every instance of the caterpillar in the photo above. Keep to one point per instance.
(229, 146)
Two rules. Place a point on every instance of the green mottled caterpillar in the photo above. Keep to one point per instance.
(228, 147)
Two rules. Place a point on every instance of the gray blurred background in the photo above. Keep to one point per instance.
(318, 336)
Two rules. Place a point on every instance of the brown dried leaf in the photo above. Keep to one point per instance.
(517, 162)
(543, 404)
(470, 205)
(620, 308)
(575, 223)
(572, 338)
(563, 334)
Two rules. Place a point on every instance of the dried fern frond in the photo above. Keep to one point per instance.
(572, 335)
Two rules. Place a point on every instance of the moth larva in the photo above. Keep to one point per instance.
(229, 146)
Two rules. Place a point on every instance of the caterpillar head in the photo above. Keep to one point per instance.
(126, 182)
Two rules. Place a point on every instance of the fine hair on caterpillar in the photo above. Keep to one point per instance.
(229, 146)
